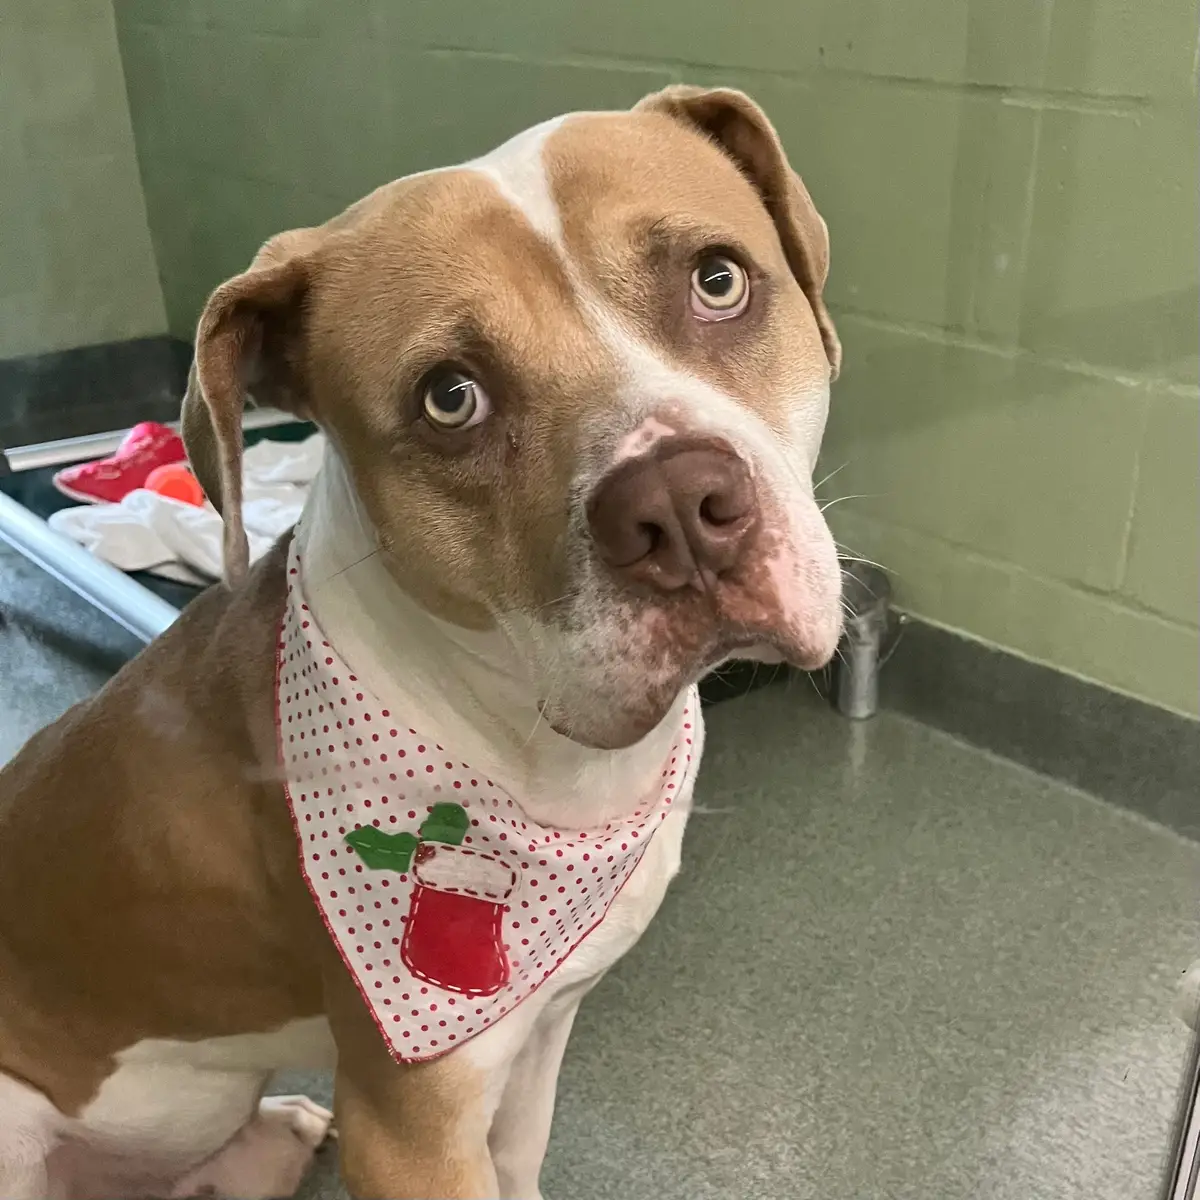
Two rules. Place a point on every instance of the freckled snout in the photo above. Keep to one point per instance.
(680, 516)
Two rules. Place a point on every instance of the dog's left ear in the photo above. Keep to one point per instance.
(249, 341)
(741, 129)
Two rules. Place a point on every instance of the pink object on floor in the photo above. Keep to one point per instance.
(109, 480)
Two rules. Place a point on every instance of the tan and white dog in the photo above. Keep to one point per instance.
(574, 393)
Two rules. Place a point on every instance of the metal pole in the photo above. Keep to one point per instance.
(136, 608)
(97, 445)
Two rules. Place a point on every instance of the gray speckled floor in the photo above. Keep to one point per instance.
(54, 649)
(892, 967)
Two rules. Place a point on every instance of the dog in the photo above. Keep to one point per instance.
(394, 798)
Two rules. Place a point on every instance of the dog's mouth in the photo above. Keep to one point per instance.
(638, 689)
(630, 647)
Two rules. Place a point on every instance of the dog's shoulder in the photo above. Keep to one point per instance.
(206, 684)
(146, 820)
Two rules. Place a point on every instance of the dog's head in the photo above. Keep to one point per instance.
(579, 386)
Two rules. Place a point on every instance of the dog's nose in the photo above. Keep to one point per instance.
(680, 516)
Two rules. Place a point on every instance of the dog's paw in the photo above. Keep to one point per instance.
(311, 1123)
(269, 1155)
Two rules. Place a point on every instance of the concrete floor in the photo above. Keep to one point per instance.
(892, 967)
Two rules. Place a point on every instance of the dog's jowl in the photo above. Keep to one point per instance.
(394, 796)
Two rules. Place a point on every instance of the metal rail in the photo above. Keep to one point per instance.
(130, 604)
(126, 601)
(97, 445)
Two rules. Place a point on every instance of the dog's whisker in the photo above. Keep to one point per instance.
(849, 554)
(350, 566)
(825, 479)
(854, 558)
(838, 499)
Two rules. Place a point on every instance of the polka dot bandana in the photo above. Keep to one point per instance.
(448, 903)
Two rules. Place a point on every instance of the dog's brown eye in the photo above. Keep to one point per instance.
(453, 400)
(720, 289)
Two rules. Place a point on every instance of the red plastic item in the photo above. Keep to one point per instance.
(110, 480)
(176, 482)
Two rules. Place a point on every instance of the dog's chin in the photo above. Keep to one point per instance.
(618, 723)
(620, 731)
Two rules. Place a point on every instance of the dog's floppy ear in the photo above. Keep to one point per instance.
(741, 129)
(248, 341)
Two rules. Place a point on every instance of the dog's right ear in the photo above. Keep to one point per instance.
(249, 341)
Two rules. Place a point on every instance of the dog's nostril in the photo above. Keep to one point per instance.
(716, 510)
(651, 536)
(725, 507)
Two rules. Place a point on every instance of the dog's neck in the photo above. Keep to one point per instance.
(469, 691)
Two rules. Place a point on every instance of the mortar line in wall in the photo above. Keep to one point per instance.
(940, 336)
(972, 554)
(1135, 483)
(570, 59)
(1041, 98)
(1080, 106)
(1074, 673)
(1117, 105)
(1026, 237)
(1121, 105)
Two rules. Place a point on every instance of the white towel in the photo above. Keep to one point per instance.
(149, 532)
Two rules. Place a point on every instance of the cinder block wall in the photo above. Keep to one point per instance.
(76, 264)
(1011, 189)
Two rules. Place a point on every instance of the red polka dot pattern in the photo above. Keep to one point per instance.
(350, 761)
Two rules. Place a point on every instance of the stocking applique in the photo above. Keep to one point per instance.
(454, 934)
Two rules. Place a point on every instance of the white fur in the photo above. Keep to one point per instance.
(29, 1133)
(516, 169)
(167, 1107)
(300, 1045)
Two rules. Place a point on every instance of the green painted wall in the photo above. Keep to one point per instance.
(76, 264)
(1011, 188)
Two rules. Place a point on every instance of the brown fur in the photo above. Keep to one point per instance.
(410, 1130)
(148, 878)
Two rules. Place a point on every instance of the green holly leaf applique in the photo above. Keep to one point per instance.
(446, 823)
(383, 851)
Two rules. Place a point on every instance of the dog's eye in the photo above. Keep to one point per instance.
(720, 289)
(453, 400)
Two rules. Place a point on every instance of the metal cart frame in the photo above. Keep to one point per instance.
(114, 593)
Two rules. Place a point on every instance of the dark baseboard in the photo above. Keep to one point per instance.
(1123, 750)
(91, 389)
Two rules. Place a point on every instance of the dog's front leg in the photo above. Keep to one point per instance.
(521, 1127)
(413, 1136)
(405, 1131)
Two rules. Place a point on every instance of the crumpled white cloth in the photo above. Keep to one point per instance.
(149, 532)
